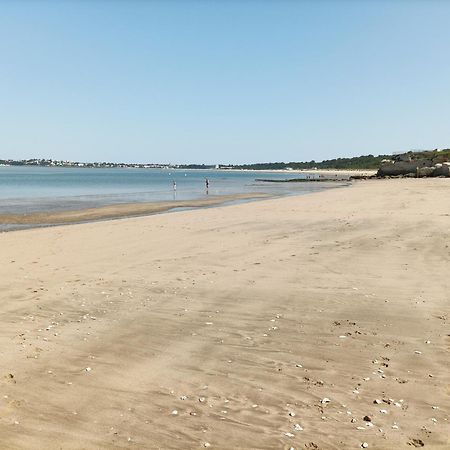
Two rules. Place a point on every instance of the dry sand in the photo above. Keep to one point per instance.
(228, 327)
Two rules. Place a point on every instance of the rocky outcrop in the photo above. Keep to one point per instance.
(442, 170)
(404, 165)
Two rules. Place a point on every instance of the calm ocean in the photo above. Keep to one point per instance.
(32, 189)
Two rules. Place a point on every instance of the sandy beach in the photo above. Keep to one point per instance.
(311, 322)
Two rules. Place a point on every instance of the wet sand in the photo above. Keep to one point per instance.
(118, 211)
(281, 323)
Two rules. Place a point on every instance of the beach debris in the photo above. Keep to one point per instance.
(383, 411)
(206, 444)
(174, 412)
(377, 401)
(367, 419)
(298, 365)
(325, 400)
(395, 426)
(417, 352)
(298, 427)
(364, 445)
(292, 414)
(202, 399)
(416, 442)
(183, 397)
(88, 369)
(289, 435)
(10, 377)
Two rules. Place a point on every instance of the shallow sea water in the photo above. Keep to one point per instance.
(38, 189)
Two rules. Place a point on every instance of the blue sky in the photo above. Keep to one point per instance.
(222, 81)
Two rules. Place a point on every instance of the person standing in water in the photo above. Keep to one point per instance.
(206, 184)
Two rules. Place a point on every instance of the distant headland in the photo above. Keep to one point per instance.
(352, 163)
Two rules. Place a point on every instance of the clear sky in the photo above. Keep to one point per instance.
(222, 81)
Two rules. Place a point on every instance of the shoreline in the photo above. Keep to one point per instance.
(118, 211)
(17, 222)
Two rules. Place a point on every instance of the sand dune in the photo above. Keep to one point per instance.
(273, 324)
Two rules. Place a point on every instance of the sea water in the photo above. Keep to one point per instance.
(27, 189)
